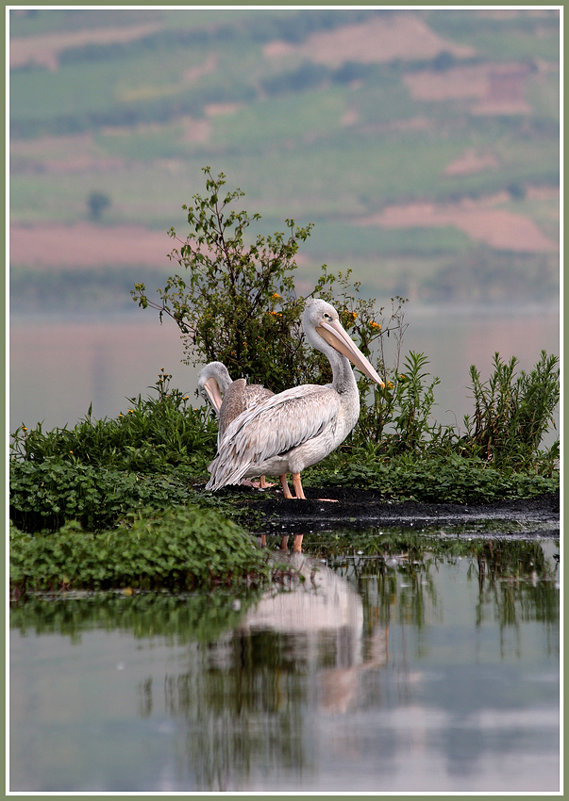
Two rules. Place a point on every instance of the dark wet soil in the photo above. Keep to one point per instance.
(346, 507)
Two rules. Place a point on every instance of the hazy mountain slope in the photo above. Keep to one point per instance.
(421, 143)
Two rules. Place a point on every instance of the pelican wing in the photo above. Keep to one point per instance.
(272, 428)
(238, 397)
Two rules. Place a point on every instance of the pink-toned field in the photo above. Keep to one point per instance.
(380, 40)
(482, 221)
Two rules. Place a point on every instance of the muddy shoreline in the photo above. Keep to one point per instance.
(345, 507)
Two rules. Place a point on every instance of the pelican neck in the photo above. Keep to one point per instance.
(343, 378)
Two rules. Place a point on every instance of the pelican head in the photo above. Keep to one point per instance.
(322, 328)
(213, 382)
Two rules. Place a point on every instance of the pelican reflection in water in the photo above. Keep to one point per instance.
(323, 614)
(300, 426)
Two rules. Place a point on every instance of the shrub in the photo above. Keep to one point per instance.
(512, 412)
(449, 478)
(46, 494)
(236, 302)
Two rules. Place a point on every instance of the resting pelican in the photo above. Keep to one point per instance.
(300, 426)
(213, 382)
(229, 398)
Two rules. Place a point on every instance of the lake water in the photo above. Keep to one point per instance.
(405, 672)
(414, 670)
(61, 365)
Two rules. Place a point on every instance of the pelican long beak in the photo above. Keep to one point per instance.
(335, 335)
(212, 388)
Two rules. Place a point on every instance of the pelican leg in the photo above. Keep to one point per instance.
(286, 491)
(297, 543)
(297, 484)
(261, 484)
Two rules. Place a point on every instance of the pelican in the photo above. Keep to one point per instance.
(213, 382)
(229, 398)
(300, 426)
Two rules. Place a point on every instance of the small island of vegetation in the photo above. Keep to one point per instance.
(119, 503)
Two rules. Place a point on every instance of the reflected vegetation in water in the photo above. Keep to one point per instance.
(405, 667)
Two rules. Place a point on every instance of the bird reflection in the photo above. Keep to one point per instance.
(324, 615)
(296, 545)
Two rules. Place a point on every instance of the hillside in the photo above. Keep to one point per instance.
(424, 145)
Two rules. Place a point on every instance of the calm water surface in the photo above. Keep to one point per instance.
(407, 671)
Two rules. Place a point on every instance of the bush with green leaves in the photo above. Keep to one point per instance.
(234, 297)
(44, 495)
(234, 301)
(431, 478)
(512, 412)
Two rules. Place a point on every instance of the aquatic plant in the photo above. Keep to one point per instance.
(435, 478)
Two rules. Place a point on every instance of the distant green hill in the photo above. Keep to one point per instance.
(328, 116)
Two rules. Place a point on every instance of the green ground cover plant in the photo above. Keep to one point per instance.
(178, 549)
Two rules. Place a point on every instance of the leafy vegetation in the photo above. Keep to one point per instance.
(513, 412)
(153, 434)
(238, 303)
(178, 549)
(433, 479)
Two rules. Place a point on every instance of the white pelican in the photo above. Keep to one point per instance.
(213, 382)
(229, 398)
(300, 426)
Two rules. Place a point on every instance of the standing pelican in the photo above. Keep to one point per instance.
(229, 398)
(300, 426)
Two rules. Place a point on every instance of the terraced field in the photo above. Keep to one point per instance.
(424, 145)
